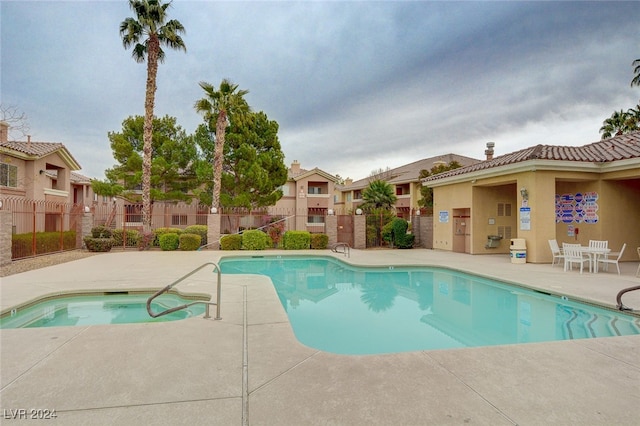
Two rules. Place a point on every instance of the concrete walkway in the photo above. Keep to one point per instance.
(248, 368)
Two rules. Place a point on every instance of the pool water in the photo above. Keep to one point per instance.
(97, 309)
(343, 309)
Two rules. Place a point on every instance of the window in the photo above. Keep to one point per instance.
(315, 190)
(285, 190)
(179, 219)
(315, 219)
(8, 175)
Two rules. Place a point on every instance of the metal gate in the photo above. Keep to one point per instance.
(345, 229)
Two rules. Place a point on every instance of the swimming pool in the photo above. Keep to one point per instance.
(93, 309)
(339, 308)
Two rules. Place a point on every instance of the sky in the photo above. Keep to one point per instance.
(354, 86)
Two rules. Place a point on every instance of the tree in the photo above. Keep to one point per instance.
(425, 191)
(636, 79)
(17, 121)
(174, 168)
(147, 33)
(619, 123)
(253, 167)
(217, 107)
(379, 194)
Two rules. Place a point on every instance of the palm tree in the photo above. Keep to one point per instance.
(218, 106)
(614, 125)
(636, 71)
(379, 194)
(147, 33)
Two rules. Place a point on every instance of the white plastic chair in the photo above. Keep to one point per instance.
(573, 254)
(556, 251)
(606, 261)
(597, 244)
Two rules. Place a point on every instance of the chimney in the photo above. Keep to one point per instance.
(489, 151)
(348, 181)
(4, 131)
(295, 167)
(29, 141)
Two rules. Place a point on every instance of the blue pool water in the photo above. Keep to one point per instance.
(97, 309)
(343, 309)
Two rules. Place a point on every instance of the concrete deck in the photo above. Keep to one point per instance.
(198, 371)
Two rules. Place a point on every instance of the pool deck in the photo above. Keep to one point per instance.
(249, 369)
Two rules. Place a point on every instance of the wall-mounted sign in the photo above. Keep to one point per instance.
(581, 207)
(443, 217)
(525, 218)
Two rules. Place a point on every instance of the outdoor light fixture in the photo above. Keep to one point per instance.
(87, 209)
(524, 193)
(214, 210)
(418, 212)
(330, 212)
(41, 171)
(0, 204)
(359, 211)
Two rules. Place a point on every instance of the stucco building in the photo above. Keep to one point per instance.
(568, 193)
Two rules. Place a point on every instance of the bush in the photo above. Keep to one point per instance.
(231, 242)
(132, 235)
(169, 241)
(98, 244)
(46, 242)
(161, 231)
(101, 232)
(319, 241)
(198, 230)
(146, 240)
(189, 242)
(297, 240)
(395, 233)
(254, 240)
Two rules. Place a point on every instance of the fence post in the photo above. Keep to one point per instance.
(87, 224)
(360, 231)
(6, 226)
(331, 228)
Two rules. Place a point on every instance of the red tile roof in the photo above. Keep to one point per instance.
(617, 148)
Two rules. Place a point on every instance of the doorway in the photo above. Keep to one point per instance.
(462, 230)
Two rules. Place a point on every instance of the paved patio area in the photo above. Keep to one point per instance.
(248, 368)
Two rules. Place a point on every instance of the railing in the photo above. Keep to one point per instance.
(178, 308)
(620, 306)
(342, 248)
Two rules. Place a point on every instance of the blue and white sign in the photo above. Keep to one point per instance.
(443, 217)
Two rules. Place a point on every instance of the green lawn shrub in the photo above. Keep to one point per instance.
(297, 240)
(161, 231)
(46, 242)
(198, 230)
(395, 233)
(189, 242)
(231, 242)
(101, 231)
(169, 241)
(254, 239)
(319, 241)
(132, 237)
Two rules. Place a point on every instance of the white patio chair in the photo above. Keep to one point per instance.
(556, 251)
(597, 244)
(606, 261)
(573, 254)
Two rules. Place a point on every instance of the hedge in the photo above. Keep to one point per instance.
(133, 235)
(297, 240)
(254, 240)
(231, 242)
(198, 230)
(189, 242)
(319, 241)
(46, 242)
(169, 241)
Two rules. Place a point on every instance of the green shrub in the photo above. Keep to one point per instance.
(46, 242)
(98, 244)
(254, 240)
(198, 230)
(231, 242)
(161, 231)
(297, 240)
(319, 241)
(101, 232)
(146, 240)
(189, 242)
(395, 233)
(133, 235)
(169, 241)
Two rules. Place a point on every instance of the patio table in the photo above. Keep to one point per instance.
(594, 253)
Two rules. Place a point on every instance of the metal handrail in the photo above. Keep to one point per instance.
(177, 308)
(345, 249)
(620, 306)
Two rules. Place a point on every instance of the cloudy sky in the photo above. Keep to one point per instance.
(354, 86)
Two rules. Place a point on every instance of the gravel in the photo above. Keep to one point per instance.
(29, 264)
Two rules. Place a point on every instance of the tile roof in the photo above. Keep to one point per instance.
(38, 150)
(411, 172)
(608, 150)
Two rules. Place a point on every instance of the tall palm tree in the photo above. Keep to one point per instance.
(147, 33)
(217, 107)
(614, 125)
(636, 71)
